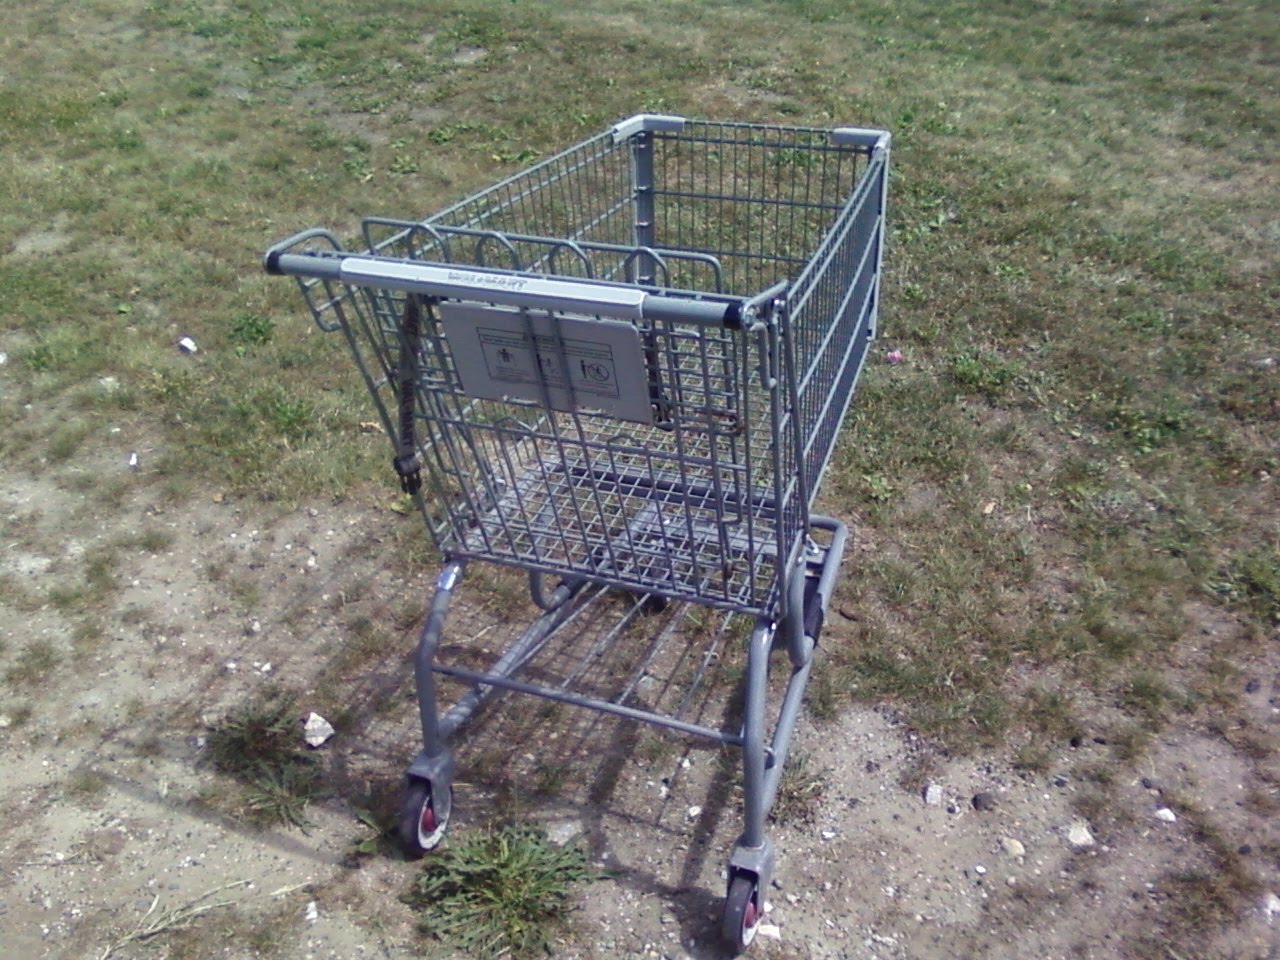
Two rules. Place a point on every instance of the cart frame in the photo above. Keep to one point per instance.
(625, 368)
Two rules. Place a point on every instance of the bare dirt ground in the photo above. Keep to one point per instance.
(114, 827)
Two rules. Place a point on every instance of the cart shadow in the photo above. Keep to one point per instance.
(613, 778)
(518, 758)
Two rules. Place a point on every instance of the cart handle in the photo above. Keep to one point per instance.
(506, 287)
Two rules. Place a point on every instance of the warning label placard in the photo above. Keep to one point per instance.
(568, 363)
(589, 366)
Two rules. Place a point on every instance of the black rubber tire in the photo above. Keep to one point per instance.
(742, 913)
(424, 817)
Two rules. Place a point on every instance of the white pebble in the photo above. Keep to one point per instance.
(1078, 834)
(1271, 905)
(1167, 815)
(317, 730)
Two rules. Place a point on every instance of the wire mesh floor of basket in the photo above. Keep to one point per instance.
(648, 530)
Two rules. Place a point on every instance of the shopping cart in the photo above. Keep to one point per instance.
(625, 367)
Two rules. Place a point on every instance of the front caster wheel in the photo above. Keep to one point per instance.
(741, 914)
(424, 817)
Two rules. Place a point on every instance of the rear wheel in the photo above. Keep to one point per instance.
(424, 816)
(741, 914)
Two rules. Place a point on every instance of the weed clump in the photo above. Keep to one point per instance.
(257, 745)
(1253, 580)
(801, 790)
(498, 891)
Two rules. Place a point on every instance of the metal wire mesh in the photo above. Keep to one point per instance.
(707, 500)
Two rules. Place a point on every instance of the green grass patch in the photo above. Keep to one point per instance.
(1252, 579)
(498, 892)
(983, 372)
(260, 746)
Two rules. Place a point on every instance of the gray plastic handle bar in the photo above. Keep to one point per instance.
(513, 289)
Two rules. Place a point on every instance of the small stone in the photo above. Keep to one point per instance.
(312, 512)
(1078, 835)
(1148, 783)
(933, 795)
(188, 346)
(562, 831)
(317, 730)
(980, 870)
(6, 721)
(1012, 847)
(770, 931)
(1271, 905)
(984, 801)
(1167, 815)
(312, 912)
(1059, 782)
(1253, 686)
(828, 834)
(792, 899)
(132, 460)
(693, 812)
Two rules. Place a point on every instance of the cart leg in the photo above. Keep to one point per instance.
(428, 801)
(809, 589)
(751, 864)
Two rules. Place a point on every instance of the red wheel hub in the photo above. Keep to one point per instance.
(428, 821)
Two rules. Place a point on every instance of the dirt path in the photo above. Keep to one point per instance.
(114, 825)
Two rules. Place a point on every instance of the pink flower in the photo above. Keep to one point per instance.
(895, 356)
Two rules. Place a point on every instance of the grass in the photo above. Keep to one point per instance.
(1070, 472)
(34, 663)
(801, 790)
(1252, 579)
(259, 745)
(498, 891)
